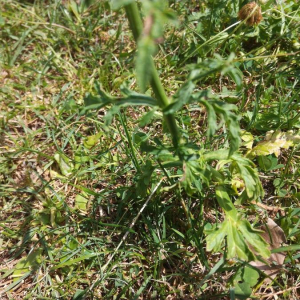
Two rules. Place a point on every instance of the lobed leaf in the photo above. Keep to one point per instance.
(274, 142)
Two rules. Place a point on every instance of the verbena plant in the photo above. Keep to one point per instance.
(136, 208)
(226, 170)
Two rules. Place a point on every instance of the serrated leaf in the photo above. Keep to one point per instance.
(225, 110)
(241, 169)
(215, 237)
(241, 239)
(254, 238)
(253, 186)
(211, 119)
(218, 65)
(147, 118)
(181, 98)
(193, 177)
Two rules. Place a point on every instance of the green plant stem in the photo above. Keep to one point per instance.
(136, 26)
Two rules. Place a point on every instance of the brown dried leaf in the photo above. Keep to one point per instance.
(273, 235)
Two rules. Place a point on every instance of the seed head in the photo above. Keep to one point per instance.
(251, 13)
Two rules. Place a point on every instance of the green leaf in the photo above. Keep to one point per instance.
(268, 163)
(244, 280)
(193, 177)
(240, 236)
(70, 262)
(131, 99)
(244, 169)
(27, 264)
(241, 169)
(286, 248)
(117, 4)
(236, 244)
(250, 275)
(215, 238)
(224, 110)
(243, 290)
(144, 63)
(254, 238)
(65, 164)
(79, 295)
(182, 97)
(144, 178)
(217, 65)
(92, 140)
(81, 202)
(225, 202)
(247, 139)
(211, 119)
(147, 118)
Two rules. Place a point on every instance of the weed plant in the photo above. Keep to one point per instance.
(145, 145)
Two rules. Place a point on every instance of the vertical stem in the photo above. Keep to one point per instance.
(136, 26)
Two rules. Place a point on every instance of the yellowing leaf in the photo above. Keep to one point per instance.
(81, 202)
(65, 164)
(247, 139)
(92, 140)
(274, 142)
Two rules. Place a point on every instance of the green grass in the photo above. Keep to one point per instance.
(101, 204)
